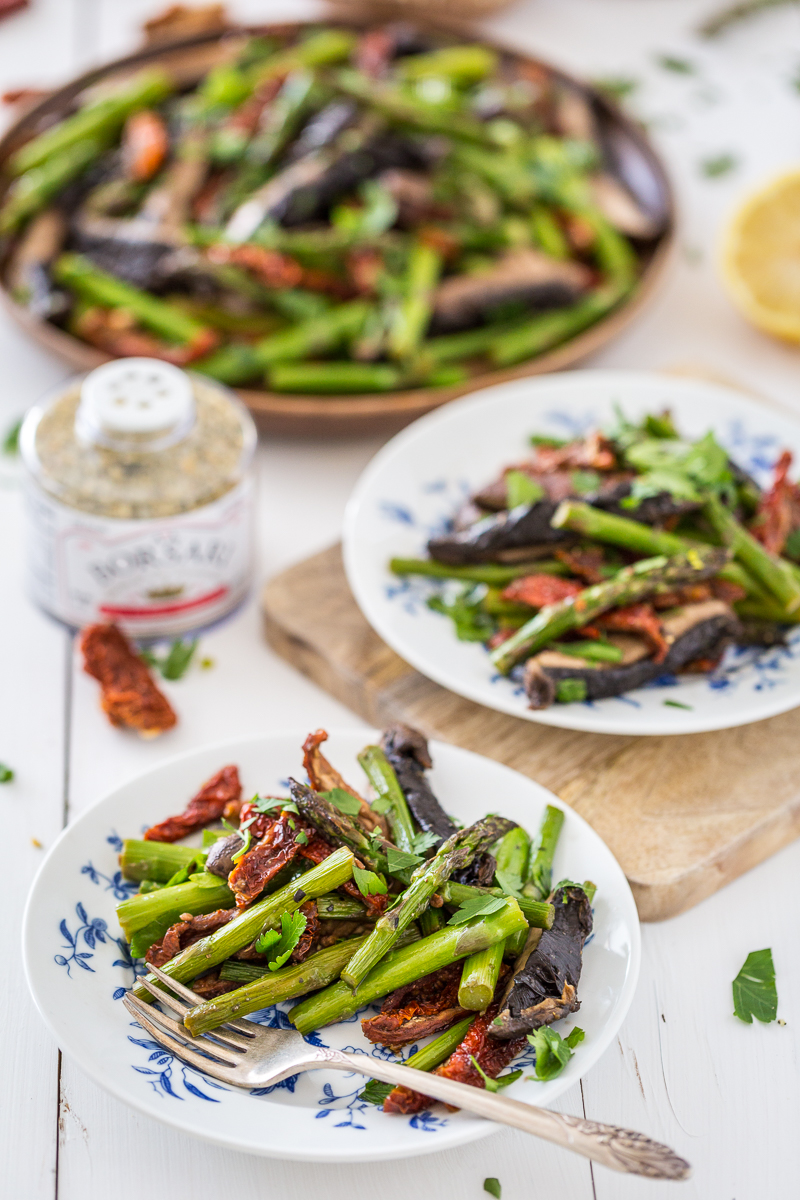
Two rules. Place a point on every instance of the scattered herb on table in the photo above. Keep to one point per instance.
(11, 439)
(175, 663)
(206, 663)
(618, 87)
(754, 990)
(552, 1051)
(492, 1186)
(721, 21)
(678, 66)
(718, 165)
(6, 773)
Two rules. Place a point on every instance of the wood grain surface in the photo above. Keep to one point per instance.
(683, 815)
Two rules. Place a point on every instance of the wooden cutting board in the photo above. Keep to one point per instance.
(683, 815)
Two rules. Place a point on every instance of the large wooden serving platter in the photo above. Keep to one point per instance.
(684, 815)
(627, 144)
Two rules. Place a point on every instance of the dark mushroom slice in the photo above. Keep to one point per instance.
(407, 751)
(513, 530)
(520, 275)
(622, 209)
(701, 630)
(651, 510)
(544, 986)
(28, 271)
(220, 856)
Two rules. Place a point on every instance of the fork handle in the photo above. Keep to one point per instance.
(614, 1147)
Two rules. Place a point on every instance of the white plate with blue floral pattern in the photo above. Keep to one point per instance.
(415, 484)
(78, 966)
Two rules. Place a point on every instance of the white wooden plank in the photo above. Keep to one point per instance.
(109, 1158)
(721, 1092)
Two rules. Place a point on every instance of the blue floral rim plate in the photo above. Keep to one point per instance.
(78, 966)
(415, 484)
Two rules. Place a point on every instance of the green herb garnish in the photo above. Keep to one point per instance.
(480, 906)
(552, 1051)
(424, 841)
(376, 1092)
(594, 651)
(617, 87)
(399, 860)
(302, 838)
(492, 1186)
(266, 804)
(521, 489)
(279, 945)
(344, 801)
(245, 846)
(584, 482)
(754, 990)
(569, 691)
(472, 623)
(6, 774)
(368, 883)
(494, 1085)
(678, 704)
(175, 663)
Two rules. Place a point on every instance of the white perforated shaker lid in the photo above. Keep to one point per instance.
(136, 403)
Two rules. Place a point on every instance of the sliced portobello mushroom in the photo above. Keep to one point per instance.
(501, 537)
(220, 856)
(407, 751)
(544, 986)
(700, 630)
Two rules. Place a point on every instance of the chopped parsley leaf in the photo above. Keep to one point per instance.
(492, 1186)
(368, 883)
(754, 990)
(6, 773)
(494, 1085)
(344, 801)
(552, 1051)
(399, 860)
(376, 1092)
(480, 906)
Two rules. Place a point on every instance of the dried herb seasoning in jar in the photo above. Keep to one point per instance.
(140, 499)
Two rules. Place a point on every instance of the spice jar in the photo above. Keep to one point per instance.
(140, 499)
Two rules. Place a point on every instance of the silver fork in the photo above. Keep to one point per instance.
(247, 1055)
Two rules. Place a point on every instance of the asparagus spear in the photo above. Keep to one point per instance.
(462, 64)
(379, 772)
(479, 977)
(272, 987)
(97, 287)
(235, 364)
(431, 920)
(337, 827)
(414, 311)
(550, 328)
(464, 345)
(334, 377)
(491, 573)
(454, 854)
(440, 1048)
(773, 572)
(541, 869)
(204, 893)
(101, 119)
(645, 578)
(154, 860)
(537, 913)
(619, 531)
(401, 106)
(33, 190)
(325, 332)
(339, 908)
(512, 857)
(455, 942)
(210, 951)
(642, 539)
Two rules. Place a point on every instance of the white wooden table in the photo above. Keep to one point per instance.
(726, 1095)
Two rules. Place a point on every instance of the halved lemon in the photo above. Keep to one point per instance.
(761, 258)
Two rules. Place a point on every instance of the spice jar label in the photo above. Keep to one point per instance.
(162, 576)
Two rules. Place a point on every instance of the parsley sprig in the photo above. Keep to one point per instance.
(754, 991)
(552, 1051)
(278, 945)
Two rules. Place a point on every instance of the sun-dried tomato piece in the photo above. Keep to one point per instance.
(364, 267)
(309, 935)
(258, 866)
(779, 509)
(274, 269)
(430, 1005)
(493, 1057)
(585, 564)
(186, 931)
(129, 695)
(594, 452)
(208, 805)
(210, 986)
(541, 590)
(641, 619)
(373, 52)
(323, 777)
(114, 330)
